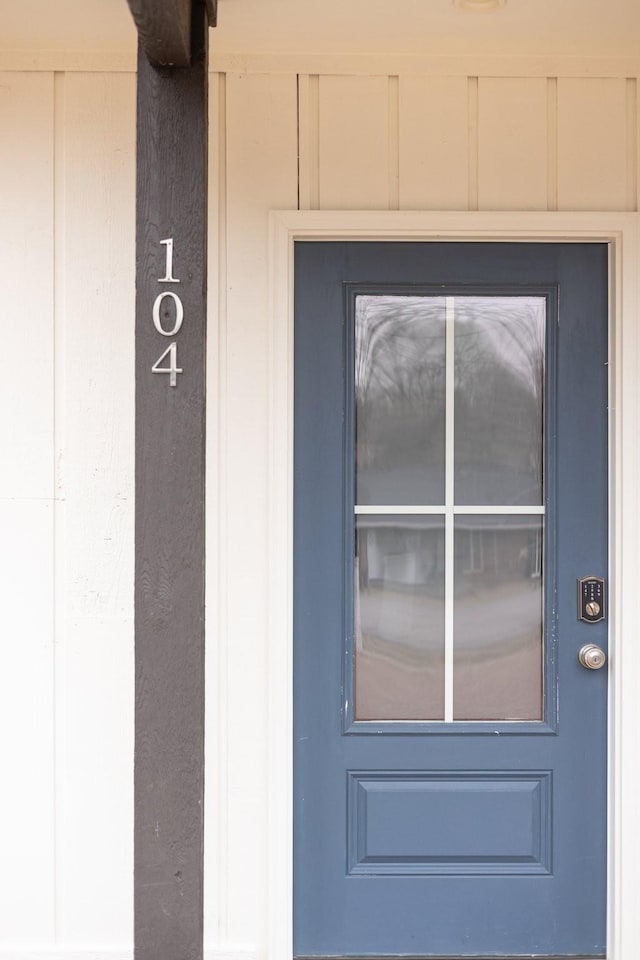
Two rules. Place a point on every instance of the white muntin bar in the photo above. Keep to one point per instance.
(395, 509)
(503, 510)
(449, 509)
(441, 509)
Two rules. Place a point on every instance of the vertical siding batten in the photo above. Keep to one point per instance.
(635, 123)
(393, 162)
(473, 120)
(59, 526)
(308, 144)
(632, 143)
(216, 679)
(552, 143)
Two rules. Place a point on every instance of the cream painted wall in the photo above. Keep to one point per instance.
(278, 140)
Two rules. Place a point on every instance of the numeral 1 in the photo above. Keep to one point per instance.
(168, 277)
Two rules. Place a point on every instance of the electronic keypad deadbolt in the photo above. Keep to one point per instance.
(591, 599)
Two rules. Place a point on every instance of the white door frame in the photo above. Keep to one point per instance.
(621, 231)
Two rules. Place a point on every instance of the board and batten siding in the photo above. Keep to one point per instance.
(468, 143)
(66, 500)
(67, 205)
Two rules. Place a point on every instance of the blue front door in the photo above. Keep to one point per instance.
(450, 491)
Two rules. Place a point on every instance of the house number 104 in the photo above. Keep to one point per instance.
(165, 324)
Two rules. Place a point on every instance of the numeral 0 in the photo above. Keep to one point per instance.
(157, 322)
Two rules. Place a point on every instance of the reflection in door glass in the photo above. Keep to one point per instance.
(499, 379)
(497, 647)
(400, 399)
(449, 416)
(399, 618)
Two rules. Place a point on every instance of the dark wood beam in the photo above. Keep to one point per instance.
(164, 29)
(212, 12)
(171, 232)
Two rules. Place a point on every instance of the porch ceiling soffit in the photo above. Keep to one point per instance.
(164, 29)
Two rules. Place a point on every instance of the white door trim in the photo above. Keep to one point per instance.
(621, 231)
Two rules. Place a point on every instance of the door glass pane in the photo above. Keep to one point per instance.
(499, 380)
(497, 661)
(399, 618)
(400, 405)
(449, 453)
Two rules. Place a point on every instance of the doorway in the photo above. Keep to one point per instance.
(450, 490)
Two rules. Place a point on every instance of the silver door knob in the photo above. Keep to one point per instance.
(592, 657)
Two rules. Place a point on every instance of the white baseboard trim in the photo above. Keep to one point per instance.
(19, 952)
(65, 953)
(230, 953)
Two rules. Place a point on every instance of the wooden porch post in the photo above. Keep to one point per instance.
(171, 239)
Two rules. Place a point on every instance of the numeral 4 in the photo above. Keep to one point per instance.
(173, 369)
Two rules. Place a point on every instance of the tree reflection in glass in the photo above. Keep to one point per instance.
(499, 381)
(400, 399)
